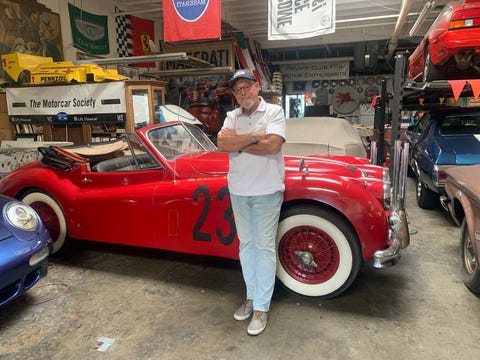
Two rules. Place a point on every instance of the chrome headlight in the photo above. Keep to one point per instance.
(21, 216)
(387, 188)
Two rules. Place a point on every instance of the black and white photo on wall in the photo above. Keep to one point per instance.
(299, 86)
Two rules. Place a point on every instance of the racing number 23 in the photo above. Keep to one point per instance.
(204, 191)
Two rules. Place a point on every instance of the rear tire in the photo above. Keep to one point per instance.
(470, 268)
(430, 71)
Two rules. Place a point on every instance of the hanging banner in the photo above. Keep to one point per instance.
(457, 87)
(142, 36)
(89, 31)
(300, 19)
(191, 20)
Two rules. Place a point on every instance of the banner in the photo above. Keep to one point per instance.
(191, 20)
(300, 19)
(89, 31)
(98, 102)
(135, 37)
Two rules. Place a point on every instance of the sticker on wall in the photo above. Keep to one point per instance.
(371, 92)
(345, 100)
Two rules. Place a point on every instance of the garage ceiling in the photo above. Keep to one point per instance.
(385, 21)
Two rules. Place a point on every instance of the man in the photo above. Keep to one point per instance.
(253, 135)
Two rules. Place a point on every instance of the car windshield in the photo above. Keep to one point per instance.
(462, 124)
(179, 139)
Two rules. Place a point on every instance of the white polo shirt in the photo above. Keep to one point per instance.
(251, 175)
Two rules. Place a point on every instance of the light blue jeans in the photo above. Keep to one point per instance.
(256, 219)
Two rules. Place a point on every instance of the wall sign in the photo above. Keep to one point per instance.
(219, 54)
(98, 102)
(316, 70)
(345, 100)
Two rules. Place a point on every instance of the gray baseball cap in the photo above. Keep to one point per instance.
(242, 74)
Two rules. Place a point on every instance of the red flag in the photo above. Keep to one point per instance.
(457, 87)
(143, 34)
(475, 84)
(191, 20)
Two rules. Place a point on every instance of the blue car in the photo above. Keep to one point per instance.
(25, 245)
(439, 140)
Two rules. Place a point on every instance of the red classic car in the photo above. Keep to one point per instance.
(463, 203)
(165, 187)
(451, 47)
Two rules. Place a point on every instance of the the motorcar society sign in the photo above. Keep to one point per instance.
(99, 102)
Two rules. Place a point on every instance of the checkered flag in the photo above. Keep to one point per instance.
(124, 35)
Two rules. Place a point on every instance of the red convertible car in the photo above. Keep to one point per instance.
(165, 187)
(451, 47)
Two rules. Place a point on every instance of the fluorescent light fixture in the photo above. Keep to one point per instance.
(136, 59)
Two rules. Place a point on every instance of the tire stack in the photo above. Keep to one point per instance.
(277, 81)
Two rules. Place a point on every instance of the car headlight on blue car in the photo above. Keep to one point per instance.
(20, 216)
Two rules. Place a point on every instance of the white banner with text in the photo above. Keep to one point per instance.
(299, 19)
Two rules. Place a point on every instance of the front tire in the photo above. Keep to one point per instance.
(470, 268)
(318, 252)
(52, 217)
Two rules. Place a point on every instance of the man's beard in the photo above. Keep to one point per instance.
(246, 103)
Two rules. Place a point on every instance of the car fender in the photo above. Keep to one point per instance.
(43, 179)
(347, 198)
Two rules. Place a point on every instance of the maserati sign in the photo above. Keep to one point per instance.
(190, 10)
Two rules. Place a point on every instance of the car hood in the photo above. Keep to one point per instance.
(216, 163)
(459, 150)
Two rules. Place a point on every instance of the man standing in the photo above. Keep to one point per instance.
(253, 135)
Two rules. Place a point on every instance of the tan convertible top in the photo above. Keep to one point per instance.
(322, 136)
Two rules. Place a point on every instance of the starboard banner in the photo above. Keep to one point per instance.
(299, 19)
(191, 20)
(98, 102)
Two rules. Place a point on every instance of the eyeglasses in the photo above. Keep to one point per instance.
(239, 90)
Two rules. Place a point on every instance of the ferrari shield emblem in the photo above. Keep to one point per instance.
(190, 10)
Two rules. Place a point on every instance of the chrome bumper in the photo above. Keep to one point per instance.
(398, 234)
(399, 238)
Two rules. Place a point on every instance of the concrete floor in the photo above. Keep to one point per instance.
(108, 302)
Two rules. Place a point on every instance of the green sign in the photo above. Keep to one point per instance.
(89, 31)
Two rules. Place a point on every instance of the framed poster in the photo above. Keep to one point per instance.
(29, 27)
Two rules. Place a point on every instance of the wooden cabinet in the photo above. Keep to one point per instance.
(5, 126)
(143, 100)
